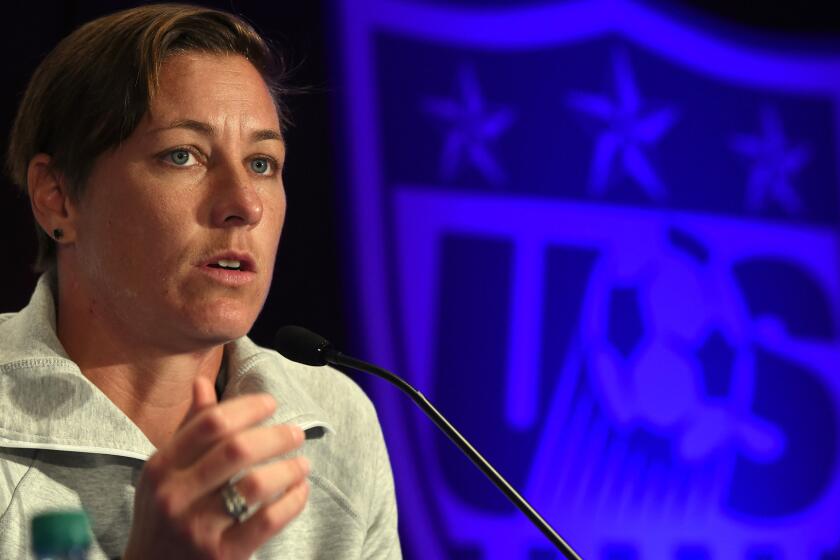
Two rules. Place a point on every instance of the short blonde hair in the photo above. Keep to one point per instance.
(92, 90)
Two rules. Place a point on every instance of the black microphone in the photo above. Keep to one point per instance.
(304, 346)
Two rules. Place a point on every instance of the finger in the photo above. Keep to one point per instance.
(215, 423)
(237, 453)
(241, 539)
(262, 486)
(204, 396)
(265, 484)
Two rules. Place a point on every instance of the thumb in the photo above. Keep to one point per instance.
(204, 396)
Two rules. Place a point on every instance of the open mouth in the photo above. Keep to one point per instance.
(231, 271)
(228, 264)
(231, 262)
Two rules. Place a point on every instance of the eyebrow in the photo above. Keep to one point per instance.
(206, 129)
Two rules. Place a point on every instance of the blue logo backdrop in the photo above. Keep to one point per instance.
(605, 243)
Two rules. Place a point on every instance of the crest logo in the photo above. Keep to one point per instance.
(605, 244)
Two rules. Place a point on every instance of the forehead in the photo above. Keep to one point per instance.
(212, 88)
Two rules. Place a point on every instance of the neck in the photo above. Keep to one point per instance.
(152, 386)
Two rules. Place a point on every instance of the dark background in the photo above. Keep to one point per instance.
(312, 280)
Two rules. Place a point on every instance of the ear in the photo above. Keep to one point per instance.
(50, 199)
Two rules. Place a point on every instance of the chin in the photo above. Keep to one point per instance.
(221, 325)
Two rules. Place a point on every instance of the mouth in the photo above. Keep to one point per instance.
(231, 261)
(230, 268)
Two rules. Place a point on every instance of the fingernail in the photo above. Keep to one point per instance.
(297, 433)
(304, 464)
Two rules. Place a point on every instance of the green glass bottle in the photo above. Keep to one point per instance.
(61, 535)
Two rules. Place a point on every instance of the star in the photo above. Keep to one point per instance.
(473, 129)
(775, 160)
(628, 132)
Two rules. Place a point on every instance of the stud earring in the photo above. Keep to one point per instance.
(58, 233)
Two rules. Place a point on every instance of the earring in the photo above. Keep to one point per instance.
(58, 233)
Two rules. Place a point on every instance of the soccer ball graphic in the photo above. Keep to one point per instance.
(670, 349)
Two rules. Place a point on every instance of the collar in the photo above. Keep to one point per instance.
(47, 403)
(253, 369)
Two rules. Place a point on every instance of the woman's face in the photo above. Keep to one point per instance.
(177, 230)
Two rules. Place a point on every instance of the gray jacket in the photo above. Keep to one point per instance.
(64, 444)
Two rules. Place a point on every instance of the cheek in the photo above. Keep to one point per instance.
(131, 237)
(278, 207)
(277, 217)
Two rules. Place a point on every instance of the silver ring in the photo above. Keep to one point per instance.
(234, 502)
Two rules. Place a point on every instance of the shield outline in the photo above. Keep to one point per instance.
(663, 35)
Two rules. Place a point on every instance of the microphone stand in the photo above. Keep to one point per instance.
(335, 357)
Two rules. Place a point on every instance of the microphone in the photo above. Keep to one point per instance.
(301, 345)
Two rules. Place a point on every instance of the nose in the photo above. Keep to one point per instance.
(236, 203)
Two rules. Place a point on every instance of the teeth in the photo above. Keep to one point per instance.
(225, 263)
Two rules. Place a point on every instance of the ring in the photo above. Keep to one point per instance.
(235, 504)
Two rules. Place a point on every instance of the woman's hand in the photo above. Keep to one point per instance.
(179, 510)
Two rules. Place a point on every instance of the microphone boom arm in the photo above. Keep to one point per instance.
(337, 358)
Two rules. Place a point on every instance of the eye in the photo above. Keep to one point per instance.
(180, 157)
(261, 166)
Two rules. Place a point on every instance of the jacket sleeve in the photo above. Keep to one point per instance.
(382, 539)
(14, 525)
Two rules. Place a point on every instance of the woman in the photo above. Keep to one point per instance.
(150, 145)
